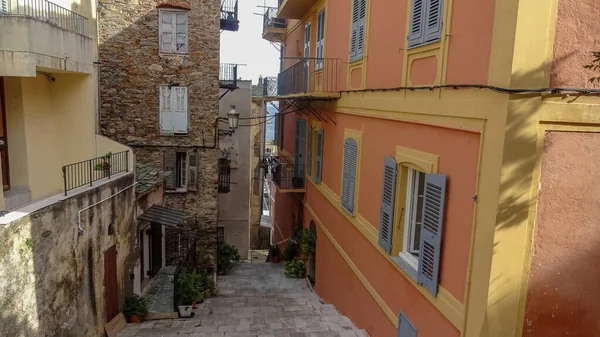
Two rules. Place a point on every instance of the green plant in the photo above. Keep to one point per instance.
(104, 162)
(290, 252)
(29, 243)
(295, 268)
(594, 65)
(189, 288)
(227, 254)
(307, 243)
(135, 305)
(275, 251)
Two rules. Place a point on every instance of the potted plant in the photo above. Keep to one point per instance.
(275, 253)
(295, 268)
(104, 164)
(189, 291)
(135, 308)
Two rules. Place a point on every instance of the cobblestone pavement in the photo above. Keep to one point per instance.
(256, 300)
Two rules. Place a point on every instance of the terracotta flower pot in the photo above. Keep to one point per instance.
(135, 319)
(274, 259)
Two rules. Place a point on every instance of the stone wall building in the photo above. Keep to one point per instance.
(159, 87)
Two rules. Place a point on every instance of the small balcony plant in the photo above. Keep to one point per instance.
(189, 291)
(104, 164)
(274, 253)
(135, 308)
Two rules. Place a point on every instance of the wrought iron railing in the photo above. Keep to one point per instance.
(270, 86)
(310, 75)
(270, 19)
(228, 75)
(224, 176)
(88, 171)
(48, 12)
(229, 15)
(289, 172)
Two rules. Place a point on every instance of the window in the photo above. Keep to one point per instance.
(419, 213)
(315, 145)
(405, 327)
(349, 174)
(173, 110)
(425, 22)
(173, 29)
(357, 35)
(183, 168)
(320, 38)
(413, 217)
(224, 176)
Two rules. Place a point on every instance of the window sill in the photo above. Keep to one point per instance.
(177, 191)
(356, 62)
(170, 134)
(407, 265)
(162, 53)
(424, 47)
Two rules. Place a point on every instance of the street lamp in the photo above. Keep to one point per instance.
(233, 117)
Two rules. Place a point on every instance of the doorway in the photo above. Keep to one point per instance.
(111, 293)
(3, 143)
(156, 248)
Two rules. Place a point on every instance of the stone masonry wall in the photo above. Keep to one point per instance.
(52, 275)
(131, 69)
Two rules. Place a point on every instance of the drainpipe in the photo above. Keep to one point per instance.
(99, 202)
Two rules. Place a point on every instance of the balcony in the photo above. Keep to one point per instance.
(270, 86)
(40, 34)
(228, 76)
(229, 15)
(294, 9)
(288, 173)
(273, 27)
(87, 172)
(310, 77)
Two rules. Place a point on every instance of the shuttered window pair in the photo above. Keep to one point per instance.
(425, 22)
(423, 216)
(359, 28)
(320, 39)
(173, 110)
(173, 29)
(184, 170)
(315, 172)
(349, 174)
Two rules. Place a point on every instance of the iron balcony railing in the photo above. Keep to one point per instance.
(270, 19)
(228, 75)
(48, 12)
(88, 171)
(270, 86)
(229, 15)
(310, 75)
(289, 172)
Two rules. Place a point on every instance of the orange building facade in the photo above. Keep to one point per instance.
(416, 139)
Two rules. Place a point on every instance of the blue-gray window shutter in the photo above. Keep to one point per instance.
(319, 161)
(362, 28)
(309, 156)
(349, 174)
(416, 29)
(431, 231)
(388, 197)
(405, 327)
(433, 20)
(354, 31)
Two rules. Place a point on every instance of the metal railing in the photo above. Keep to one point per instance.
(289, 172)
(228, 75)
(88, 171)
(310, 75)
(229, 10)
(270, 19)
(270, 86)
(48, 12)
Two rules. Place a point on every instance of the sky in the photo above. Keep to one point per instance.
(247, 46)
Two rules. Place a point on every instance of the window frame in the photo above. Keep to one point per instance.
(414, 191)
(182, 165)
(425, 18)
(173, 12)
(173, 109)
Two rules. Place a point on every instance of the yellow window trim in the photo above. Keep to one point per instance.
(445, 302)
(357, 136)
(407, 158)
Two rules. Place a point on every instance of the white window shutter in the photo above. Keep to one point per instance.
(319, 159)
(309, 152)
(416, 29)
(180, 109)
(433, 20)
(166, 112)
(166, 32)
(405, 327)
(362, 29)
(388, 198)
(434, 202)
(349, 174)
(192, 171)
(354, 31)
(181, 29)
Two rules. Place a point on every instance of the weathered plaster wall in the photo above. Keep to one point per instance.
(131, 71)
(572, 47)
(563, 296)
(234, 207)
(51, 276)
(257, 139)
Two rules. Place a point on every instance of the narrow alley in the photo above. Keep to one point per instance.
(256, 300)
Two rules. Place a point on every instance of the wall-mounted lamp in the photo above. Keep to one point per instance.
(233, 118)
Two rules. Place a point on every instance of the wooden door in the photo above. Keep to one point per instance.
(111, 290)
(3, 144)
(156, 251)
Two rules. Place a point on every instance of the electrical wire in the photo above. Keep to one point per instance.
(501, 90)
